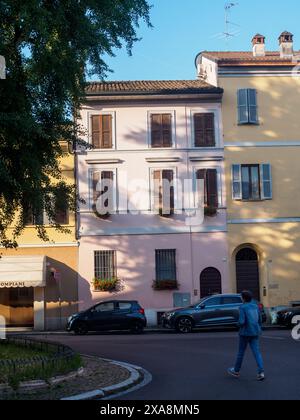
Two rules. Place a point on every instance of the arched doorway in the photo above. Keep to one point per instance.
(210, 282)
(247, 272)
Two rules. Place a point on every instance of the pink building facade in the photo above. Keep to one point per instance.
(140, 134)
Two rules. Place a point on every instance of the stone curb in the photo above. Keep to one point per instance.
(38, 385)
(136, 376)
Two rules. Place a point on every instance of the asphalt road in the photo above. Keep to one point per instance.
(193, 367)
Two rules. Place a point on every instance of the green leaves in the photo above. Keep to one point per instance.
(50, 46)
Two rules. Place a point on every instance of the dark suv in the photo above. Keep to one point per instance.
(214, 311)
(109, 316)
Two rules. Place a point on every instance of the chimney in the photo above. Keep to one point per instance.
(259, 46)
(286, 45)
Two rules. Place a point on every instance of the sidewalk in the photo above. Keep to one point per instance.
(99, 378)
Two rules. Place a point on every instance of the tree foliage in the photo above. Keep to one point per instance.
(50, 47)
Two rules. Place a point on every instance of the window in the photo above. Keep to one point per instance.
(124, 306)
(210, 177)
(103, 199)
(215, 301)
(105, 265)
(105, 307)
(161, 130)
(102, 131)
(164, 200)
(33, 219)
(252, 182)
(204, 130)
(247, 106)
(232, 300)
(165, 260)
(62, 213)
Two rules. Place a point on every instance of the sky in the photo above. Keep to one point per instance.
(183, 28)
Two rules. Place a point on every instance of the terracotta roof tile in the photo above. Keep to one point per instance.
(151, 87)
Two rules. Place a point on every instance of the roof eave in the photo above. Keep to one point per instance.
(215, 94)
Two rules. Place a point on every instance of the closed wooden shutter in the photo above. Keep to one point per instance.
(252, 104)
(204, 127)
(106, 122)
(167, 130)
(102, 131)
(96, 134)
(199, 129)
(243, 109)
(161, 130)
(210, 130)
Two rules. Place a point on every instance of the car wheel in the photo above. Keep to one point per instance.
(184, 325)
(137, 328)
(81, 329)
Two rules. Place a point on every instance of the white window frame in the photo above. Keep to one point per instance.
(220, 173)
(218, 127)
(90, 178)
(114, 130)
(151, 186)
(159, 111)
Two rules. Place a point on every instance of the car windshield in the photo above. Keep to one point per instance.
(198, 303)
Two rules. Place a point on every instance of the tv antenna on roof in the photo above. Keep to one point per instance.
(228, 32)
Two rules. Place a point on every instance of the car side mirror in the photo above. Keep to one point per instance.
(202, 307)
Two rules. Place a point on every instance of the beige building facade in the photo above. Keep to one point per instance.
(262, 144)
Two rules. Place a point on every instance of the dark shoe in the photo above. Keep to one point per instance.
(261, 377)
(233, 373)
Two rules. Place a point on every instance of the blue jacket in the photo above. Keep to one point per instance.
(250, 321)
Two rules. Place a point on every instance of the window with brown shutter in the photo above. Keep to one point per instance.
(161, 130)
(204, 130)
(210, 178)
(164, 199)
(102, 136)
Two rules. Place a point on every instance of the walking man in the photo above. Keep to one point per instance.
(250, 324)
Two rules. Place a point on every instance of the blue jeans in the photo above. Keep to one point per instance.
(254, 344)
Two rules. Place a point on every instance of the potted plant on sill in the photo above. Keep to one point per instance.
(165, 285)
(106, 285)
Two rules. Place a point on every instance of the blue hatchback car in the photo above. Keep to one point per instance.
(214, 311)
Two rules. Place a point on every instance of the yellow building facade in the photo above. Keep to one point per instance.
(38, 281)
(262, 146)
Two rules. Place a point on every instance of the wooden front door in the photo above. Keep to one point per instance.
(247, 272)
(210, 282)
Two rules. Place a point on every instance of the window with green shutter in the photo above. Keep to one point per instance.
(247, 106)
